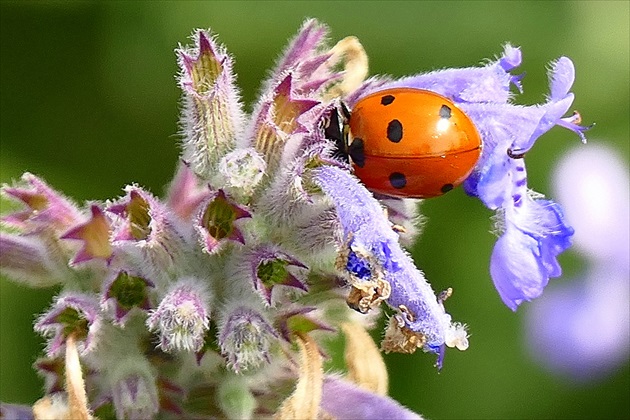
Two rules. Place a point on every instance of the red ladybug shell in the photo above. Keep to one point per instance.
(408, 142)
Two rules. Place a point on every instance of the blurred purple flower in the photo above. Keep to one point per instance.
(582, 328)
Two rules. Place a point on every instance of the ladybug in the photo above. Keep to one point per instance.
(406, 142)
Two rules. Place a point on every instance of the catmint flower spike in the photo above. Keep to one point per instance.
(212, 118)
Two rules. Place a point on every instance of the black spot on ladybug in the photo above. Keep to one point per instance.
(394, 131)
(355, 150)
(387, 99)
(446, 188)
(397, 180)
(445, 112)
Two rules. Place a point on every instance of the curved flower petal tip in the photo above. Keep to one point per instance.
(488, 84)
(516, 272)
(358, 403)
(184, 192)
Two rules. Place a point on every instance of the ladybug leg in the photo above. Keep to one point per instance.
(399, 229)
(404, 310)
(445, 294)
(395, 227)
(515, 155)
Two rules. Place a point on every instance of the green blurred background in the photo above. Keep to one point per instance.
(89, 102)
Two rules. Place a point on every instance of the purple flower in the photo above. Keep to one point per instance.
(357, 403)
(184, 193)
(213, 117)
(147, 237)
(52, 371)
(267, 267)
(291, 100)
(581, 328)
(16, 412)
(135, 397)
(593, 186)
(220, 282)
(376, 266)
(32, 260)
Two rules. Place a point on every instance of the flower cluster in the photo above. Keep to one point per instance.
(213, 300)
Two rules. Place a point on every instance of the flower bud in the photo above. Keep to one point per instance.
(245, 338)
(182, 317)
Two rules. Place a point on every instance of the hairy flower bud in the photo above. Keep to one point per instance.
(245, 338)
(213, 117)
(182, 317)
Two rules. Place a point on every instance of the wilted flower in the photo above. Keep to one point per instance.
(212, 301)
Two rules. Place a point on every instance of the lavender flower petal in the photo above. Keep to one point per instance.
(358, 403)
